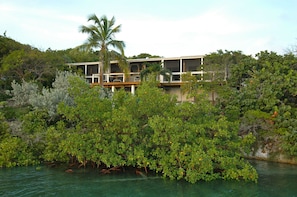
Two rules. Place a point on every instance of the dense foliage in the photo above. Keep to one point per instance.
(261, 93)
(143, 56)
(55, 116)
(190, 141)
(20, 62)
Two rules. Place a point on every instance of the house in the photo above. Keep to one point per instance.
(115, 78)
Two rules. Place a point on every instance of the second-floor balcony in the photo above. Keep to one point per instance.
(114, 76)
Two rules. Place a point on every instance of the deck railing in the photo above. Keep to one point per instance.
(135, 77)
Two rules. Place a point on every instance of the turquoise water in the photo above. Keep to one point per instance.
(274, 180)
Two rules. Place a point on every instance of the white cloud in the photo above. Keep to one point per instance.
(204, 33)
(41, 27)
(187, 34)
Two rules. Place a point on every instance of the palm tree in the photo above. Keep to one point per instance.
(101, 35)
(155, 69)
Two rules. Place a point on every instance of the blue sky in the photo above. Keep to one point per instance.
(167, 28)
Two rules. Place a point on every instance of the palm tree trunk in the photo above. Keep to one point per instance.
(101, 63)
(101, 74)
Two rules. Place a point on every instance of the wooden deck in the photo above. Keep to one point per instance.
(117, 84)
(129, 84)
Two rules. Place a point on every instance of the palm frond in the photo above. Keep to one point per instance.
(101, 35)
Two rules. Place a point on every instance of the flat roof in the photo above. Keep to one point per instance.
(142, 60)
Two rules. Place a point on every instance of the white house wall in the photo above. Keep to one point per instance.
(113, 77)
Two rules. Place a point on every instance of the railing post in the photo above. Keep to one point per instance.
(202, 69)
(132, 89)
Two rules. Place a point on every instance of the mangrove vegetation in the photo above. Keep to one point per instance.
(50, 115)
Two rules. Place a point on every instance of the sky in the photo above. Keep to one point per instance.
(168, 28)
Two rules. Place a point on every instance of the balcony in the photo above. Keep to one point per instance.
(114, 76)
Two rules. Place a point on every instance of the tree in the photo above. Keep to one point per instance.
(155, 69)
(101, 35)
(266, 100)
(8, 45)
(218, 70)
(79, 54)
(148, 130)
(28, 93)
(143, 56)
(224, 66)
(31, 65)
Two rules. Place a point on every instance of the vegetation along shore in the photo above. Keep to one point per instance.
(49, 113)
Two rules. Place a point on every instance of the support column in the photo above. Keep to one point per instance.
(161, 77)
(132, 89)
(86, 70)
(182, 65)
(202, 69)
(112, 89)
(99, 72)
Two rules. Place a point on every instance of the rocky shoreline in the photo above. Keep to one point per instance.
(265, 155)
